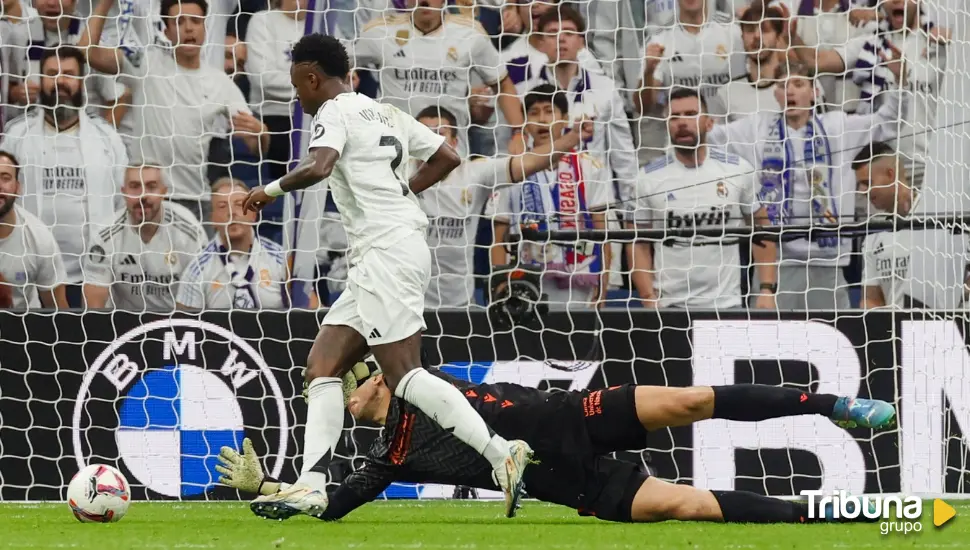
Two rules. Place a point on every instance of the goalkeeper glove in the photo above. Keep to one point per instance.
(243, 471)
(360, 372)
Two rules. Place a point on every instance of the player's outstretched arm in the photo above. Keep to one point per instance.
(315, 167)
(441, 163)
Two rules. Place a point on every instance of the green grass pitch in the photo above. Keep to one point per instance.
(434, 525)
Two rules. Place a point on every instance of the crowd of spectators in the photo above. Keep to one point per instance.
(130, 131)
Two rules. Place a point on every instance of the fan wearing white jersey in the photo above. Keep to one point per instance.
(31, 270)
(426, 57)
(804, 161)
(754, 91)
(903, 31)
(699, 51)
(137, 261)
(238, 269)
(454, 205)
(704, 188)
(365, 148)
(882, 174)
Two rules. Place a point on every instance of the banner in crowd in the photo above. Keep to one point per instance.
(158, 396)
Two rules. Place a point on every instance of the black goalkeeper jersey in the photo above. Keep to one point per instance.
(414, 448)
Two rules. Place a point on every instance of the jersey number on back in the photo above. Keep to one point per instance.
(391, 141)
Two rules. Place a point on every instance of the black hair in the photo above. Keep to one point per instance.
(325, 52)
(546, 93)
(871, 153)
(681, 92)
(167, 6)
(13, 160)
(560, 14)
(433, 111)
(64, 52)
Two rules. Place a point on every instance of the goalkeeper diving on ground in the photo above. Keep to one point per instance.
(572, 434)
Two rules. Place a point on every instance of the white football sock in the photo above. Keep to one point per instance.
(448, 407)
(324, 422)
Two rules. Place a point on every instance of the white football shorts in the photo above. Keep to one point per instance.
(384, 299)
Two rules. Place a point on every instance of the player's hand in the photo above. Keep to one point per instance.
(655, 53)
(257, 199)
(650, 301)
(240, 471)
(766, 301)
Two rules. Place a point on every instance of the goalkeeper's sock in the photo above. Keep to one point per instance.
(324, 422)
(745, 507)
(754, 402)
(449, 408)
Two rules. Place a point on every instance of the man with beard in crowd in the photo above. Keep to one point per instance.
(73, 162)
(31, 271)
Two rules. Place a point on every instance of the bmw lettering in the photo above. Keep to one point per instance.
(161, 400)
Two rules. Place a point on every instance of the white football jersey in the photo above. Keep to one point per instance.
(741, 97)
(207, 282)
(370, 180)
(698, 271)
(144, 276)
(454, 207)
(419, 70)
(887, 258)
(30, 258)
(707, 60)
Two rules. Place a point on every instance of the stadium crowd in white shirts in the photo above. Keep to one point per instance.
(129, 135)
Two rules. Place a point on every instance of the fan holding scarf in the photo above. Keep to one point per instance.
(804, 166)
(563, 198)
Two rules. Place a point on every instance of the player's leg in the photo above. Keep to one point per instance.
(401, 363)
(659, 406)
(658, 500)
(336, 349)
(391, 288)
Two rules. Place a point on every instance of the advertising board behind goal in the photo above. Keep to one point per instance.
(157, 397)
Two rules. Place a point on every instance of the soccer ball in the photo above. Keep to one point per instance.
(98, 494)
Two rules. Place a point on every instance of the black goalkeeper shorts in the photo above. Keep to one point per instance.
(611, 420)
(611, 487)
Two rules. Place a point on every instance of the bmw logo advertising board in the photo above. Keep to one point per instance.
(162, 399)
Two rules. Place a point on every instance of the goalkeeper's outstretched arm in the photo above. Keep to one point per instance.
(244, 473)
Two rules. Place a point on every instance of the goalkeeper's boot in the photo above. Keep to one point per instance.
(509, 474)
(854, 412)
(290, 502)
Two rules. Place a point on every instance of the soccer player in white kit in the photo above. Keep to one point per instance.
(364, 148)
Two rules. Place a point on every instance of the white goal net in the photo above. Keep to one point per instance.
(701, 192)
